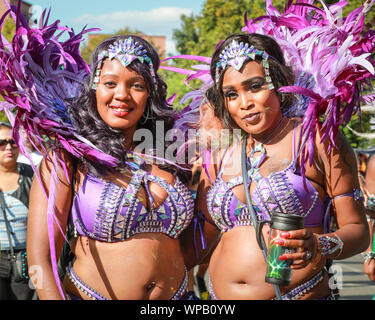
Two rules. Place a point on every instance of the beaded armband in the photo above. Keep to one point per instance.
(370, 205)
(25, 272)
(358, 195)
(368, 256)
(325, 245)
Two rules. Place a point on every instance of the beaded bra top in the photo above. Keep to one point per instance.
(281, 192)
(107, 212)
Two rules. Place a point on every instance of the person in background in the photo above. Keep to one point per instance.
(15, 183)
(35, 156)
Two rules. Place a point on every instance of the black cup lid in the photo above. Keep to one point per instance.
(282, 221)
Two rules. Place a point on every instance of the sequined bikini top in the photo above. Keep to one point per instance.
(107, 212)
(281, 192)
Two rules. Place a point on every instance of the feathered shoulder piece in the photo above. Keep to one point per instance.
(190, 117)
(331, 58)
(41, 69)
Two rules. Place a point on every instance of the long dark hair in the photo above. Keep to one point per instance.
(281, 74)
(84, 114)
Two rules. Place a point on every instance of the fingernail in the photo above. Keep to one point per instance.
(282, 257)
(285, 234)
(279, 242)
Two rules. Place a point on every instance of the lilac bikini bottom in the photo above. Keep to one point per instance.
(181, 293)
(293, 294)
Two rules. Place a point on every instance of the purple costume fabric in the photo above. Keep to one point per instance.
(107, 212)
(281, 191)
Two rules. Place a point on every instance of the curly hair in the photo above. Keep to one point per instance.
(88, 123)
(281, 74)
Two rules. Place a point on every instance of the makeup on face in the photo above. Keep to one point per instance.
(252, 85)
(252, 105)
(121, 96)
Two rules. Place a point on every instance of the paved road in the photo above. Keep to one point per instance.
(353, 283)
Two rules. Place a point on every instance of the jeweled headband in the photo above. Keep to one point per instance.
(125, 51)
(236, 54)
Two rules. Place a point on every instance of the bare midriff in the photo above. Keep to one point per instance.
(237, 269)
(148, 266)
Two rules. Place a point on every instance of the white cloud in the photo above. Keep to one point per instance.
(170, 47)
(159, 21)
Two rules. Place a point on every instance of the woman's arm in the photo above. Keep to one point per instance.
(369, 265)
(38, 249)
(352, 235)
(370, 187)
(341, 170)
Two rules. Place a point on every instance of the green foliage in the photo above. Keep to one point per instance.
(3, 117)
(175, 82)
(187, 36)
(218, 19)
(7, 31)
(360, 125)
(199, 35)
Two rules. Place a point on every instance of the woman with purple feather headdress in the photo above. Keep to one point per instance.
(287, 84)
(124, 215)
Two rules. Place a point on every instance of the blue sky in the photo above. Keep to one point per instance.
(153, 17)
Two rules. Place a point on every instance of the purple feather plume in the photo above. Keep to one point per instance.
(189, 117)
(330, 58)
(39, 72)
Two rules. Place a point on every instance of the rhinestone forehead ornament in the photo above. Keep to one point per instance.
(125, 51)
(236, 54)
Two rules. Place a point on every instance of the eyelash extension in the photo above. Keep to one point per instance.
(140, 86)
(109, 83)
(254, 86)
(229, 94)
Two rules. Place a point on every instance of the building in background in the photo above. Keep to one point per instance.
(25, 7)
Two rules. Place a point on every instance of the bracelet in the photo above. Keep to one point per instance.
(368, 256)
(325, 244)
(340, 244)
